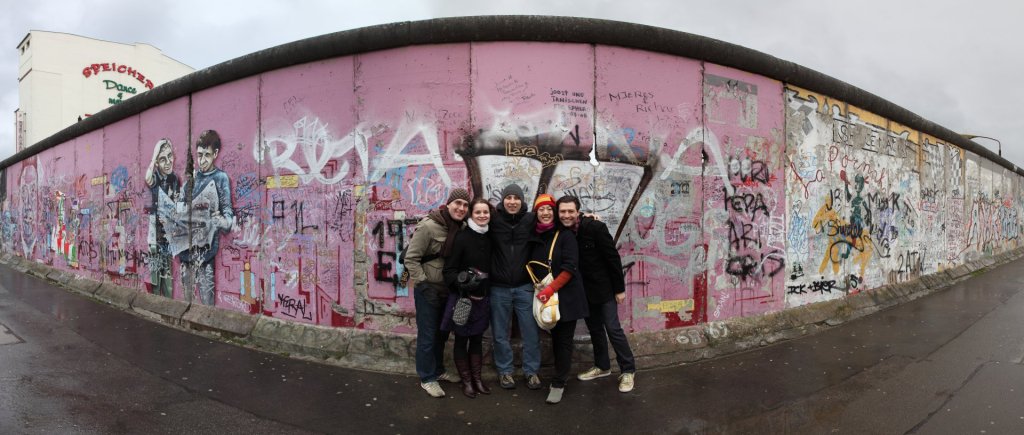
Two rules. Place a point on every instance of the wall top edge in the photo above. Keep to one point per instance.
(529, 28)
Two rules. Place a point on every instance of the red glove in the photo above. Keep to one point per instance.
(562, 279)
(545, 294)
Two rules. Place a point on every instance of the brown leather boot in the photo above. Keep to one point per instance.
(476, 366)
(467, 383)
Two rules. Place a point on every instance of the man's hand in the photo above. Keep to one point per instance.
(545, 294)
(620, 298)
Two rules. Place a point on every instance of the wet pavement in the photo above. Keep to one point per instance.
(950, 362)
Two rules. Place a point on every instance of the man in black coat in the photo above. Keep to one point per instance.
(511, 289)
(601, 269)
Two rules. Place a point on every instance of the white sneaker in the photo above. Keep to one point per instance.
(432, 388)
(626, 382)
(555, 395)
(593, 373)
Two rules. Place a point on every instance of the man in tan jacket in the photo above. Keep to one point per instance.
(432, 241)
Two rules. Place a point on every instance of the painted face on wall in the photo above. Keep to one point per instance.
(545, 214)
(512, 204)
(568, 214)
(165, 160)
(206, 157)
(481, 214)
(458, 209)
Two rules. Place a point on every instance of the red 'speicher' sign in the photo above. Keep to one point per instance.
(96, 68)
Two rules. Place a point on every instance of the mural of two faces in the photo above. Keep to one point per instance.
(290, 194)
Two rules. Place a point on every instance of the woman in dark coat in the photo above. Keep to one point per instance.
(572, 300)
(465, 272)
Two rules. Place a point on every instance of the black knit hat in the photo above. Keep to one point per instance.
(512, 189)
(458, 193)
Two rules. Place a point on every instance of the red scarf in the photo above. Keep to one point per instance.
(542, 228)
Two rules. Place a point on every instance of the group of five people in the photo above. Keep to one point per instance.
(471, 249)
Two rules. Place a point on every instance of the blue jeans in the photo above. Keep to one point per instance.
(430, 339)
(505, 301)
(605, 318)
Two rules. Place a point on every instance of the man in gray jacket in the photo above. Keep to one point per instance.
(432, 241)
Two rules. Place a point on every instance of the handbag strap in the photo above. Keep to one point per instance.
(551, 253)
(529, 270)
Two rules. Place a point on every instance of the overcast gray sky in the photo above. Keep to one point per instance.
(950, 61)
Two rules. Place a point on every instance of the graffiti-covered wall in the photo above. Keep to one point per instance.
(289, 193)
(872, 202)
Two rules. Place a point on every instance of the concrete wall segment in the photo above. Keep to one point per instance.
(500, 28)
(736, 196)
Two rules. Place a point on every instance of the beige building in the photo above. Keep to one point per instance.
(63, 78)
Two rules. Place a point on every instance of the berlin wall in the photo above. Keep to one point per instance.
(730, 193)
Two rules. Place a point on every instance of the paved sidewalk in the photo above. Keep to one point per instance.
(950, 362)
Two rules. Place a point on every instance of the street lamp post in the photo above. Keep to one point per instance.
(976, 136)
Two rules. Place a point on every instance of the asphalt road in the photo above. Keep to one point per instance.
(950, 362)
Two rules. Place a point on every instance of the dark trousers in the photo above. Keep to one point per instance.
(468, 344)
(604, 318)
(430, 339)
(561, 346)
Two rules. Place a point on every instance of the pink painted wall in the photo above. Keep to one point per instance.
(306, 169)
(723, 188)
(649, 118)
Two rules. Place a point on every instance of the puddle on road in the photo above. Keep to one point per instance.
(8, 337)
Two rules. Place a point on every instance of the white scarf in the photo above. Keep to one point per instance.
(478, 228)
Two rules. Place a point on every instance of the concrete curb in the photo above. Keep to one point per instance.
(936, 281)
(84, 286)
(316, 341)
(395, 353)
(59, 277)
(37, 269)
(228, 323)
(116, 295)
(959, 271)
(380, 351)
(160, 308)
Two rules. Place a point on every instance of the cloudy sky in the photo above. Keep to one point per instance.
(950, 61)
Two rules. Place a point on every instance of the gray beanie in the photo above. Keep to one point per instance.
(512, 189)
